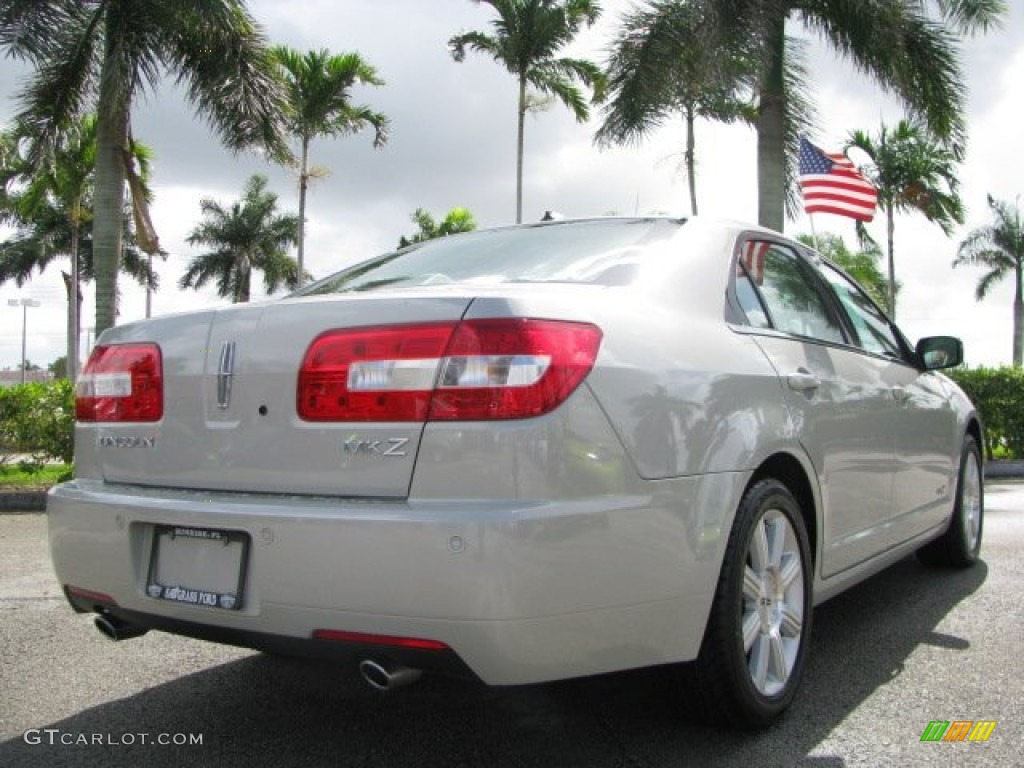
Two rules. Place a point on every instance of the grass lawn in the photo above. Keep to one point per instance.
(12, 476)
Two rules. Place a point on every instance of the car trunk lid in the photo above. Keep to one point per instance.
(230, 420)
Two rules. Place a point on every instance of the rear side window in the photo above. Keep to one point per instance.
(602, 251)
(779, 290)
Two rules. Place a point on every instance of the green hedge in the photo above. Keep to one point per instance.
(38, 421)
(998, 394)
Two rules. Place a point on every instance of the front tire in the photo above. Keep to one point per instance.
(755, 644)
(960, 545)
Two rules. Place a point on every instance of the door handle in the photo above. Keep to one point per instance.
(899, 394)
(803, 381)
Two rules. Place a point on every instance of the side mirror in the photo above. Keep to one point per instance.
(936, 352)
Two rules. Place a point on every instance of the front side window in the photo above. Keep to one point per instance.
(874, 334)
(778, 289)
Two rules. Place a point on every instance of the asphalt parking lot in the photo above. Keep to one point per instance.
(908, 647)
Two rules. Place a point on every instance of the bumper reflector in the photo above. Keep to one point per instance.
(417, 643)
(87, 594)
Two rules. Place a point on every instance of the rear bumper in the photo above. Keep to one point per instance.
(443, 661)
(520, 591)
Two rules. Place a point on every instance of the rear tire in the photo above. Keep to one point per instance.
(960, 545)
(755, 644)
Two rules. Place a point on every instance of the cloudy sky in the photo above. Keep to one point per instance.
(453, 144)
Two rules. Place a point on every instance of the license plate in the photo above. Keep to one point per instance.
(198, 566)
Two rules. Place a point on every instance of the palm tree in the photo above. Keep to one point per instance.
(528, 34)
(250, 235)
(861, 265)
(36, 244)
(455, 221)
(908, 48)
(912, 172)
(318, 86)
(49, 204)
(1000, 248)
(659, 67)
(98, 56)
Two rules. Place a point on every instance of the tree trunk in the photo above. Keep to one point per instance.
(890, 228)
(519, 149)
(691, 162)
(149, 290)
(244, 279)
(73, 307)
(303, 184)
(1018, 317)
(771, 131)
(108, 197)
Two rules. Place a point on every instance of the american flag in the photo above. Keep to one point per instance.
(752, 256)
(831, 184)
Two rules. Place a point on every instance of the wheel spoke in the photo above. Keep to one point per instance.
(776, 540)
(790, 570)
(759, 548)
(778, 664)
(791, 622)
(751, 629)
(751, 584)
(759, 660)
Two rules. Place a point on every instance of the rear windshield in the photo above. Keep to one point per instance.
(603, 252)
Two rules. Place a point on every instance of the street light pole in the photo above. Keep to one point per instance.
(24, 304)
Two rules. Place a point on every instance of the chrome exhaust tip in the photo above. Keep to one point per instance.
(116, 629)
(385, 675)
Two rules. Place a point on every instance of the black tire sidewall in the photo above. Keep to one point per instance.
(736, 693)
(966, 554)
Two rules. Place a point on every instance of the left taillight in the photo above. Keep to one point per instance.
(121, 383)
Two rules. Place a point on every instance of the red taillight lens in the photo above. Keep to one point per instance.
(121, 382)
(371, 374)
(472, 370)
(512, 369)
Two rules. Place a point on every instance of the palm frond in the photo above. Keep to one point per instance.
(222, 59)
(550, 79)
(26, 26)
(21, 256)
(905, 51)
(988, 280)
(973, 16)
(798, 120)
(62, 86)
(473, 41)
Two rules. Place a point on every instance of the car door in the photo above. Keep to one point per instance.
(840, 398)
(924, 421)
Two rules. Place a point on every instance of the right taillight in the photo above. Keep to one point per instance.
(509, 368)
(121, 382)
(371, 374)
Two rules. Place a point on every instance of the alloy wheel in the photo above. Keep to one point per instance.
(773, 602)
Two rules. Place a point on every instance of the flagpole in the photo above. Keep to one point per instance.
(814, 233)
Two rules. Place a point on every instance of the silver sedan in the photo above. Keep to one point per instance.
(522, 454)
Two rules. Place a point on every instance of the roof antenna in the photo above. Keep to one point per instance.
(552, 216)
